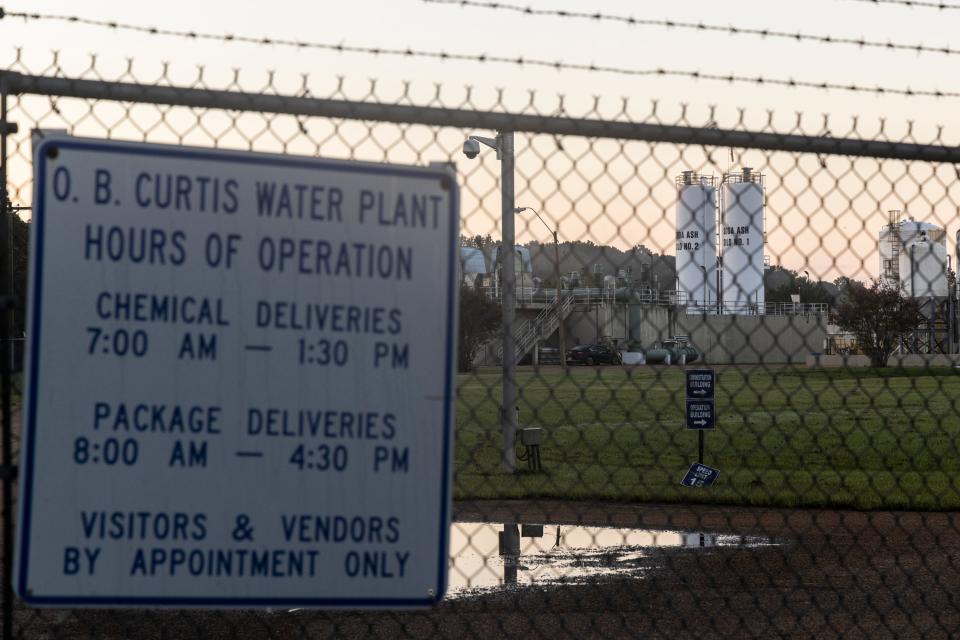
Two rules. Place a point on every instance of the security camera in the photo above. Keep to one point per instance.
(471, 148)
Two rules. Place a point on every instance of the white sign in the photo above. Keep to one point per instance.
(240, 380)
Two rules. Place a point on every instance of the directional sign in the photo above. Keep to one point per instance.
(700, 414)
(700, 475)
(700, 384)
(240, 380)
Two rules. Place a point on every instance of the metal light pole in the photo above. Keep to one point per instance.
(556, 274)
(503, 144)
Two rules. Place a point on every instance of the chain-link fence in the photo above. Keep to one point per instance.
(809, 272)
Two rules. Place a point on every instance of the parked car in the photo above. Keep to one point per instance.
(591, 354)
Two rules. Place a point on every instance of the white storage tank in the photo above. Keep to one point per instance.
(521, 256)
(896, 236)
(696, 231)
(523, 268)
(923, 270)
(472, 268)
(472, 263)
(957, 263)
(741, 211)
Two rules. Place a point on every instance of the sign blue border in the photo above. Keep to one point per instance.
(231, 157)
(709, 424)
(708, 394)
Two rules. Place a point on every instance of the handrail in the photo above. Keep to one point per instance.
(768, 309)
(658, 297)
(527, 335)
(592, 295)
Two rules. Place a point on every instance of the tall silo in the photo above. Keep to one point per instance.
(956, 293)
(741, 211)
(696, 261)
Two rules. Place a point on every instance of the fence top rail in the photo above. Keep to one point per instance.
(12, 82)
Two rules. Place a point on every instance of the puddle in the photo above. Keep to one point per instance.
(486, 556)
(484, 560)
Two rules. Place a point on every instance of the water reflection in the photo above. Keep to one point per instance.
(486, 556)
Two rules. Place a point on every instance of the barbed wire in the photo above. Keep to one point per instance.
(913, 3)
(700, 26)
(557, 65)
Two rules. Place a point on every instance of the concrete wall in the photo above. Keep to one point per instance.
(582, 327)
(587, 326)
(722, 339)
(732, 339)
(650, 324)
(615, 322)
(754, 339)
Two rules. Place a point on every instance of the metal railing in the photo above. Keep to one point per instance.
(594, 295)
(768, 309)
(533, 331)
(796, 309)
(646, 295)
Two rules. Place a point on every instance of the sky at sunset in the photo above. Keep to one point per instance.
(822, 213)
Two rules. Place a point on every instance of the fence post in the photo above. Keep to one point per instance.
(7, 470)
(508, 419)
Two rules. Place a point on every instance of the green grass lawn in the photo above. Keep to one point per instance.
(863, 438)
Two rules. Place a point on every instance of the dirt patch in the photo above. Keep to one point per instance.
(841, 574)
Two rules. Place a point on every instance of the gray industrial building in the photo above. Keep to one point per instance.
(646, 318)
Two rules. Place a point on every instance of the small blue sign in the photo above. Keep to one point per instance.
(700, 384)
(700, 475)
(700, 414)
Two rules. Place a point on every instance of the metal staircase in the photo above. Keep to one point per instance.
(529, 333)
(895, 243)
(895, 259)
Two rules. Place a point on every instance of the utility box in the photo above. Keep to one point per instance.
(531, 436)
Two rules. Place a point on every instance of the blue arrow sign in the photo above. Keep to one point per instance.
(700, 414)
(700, 384)
(700, 475)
